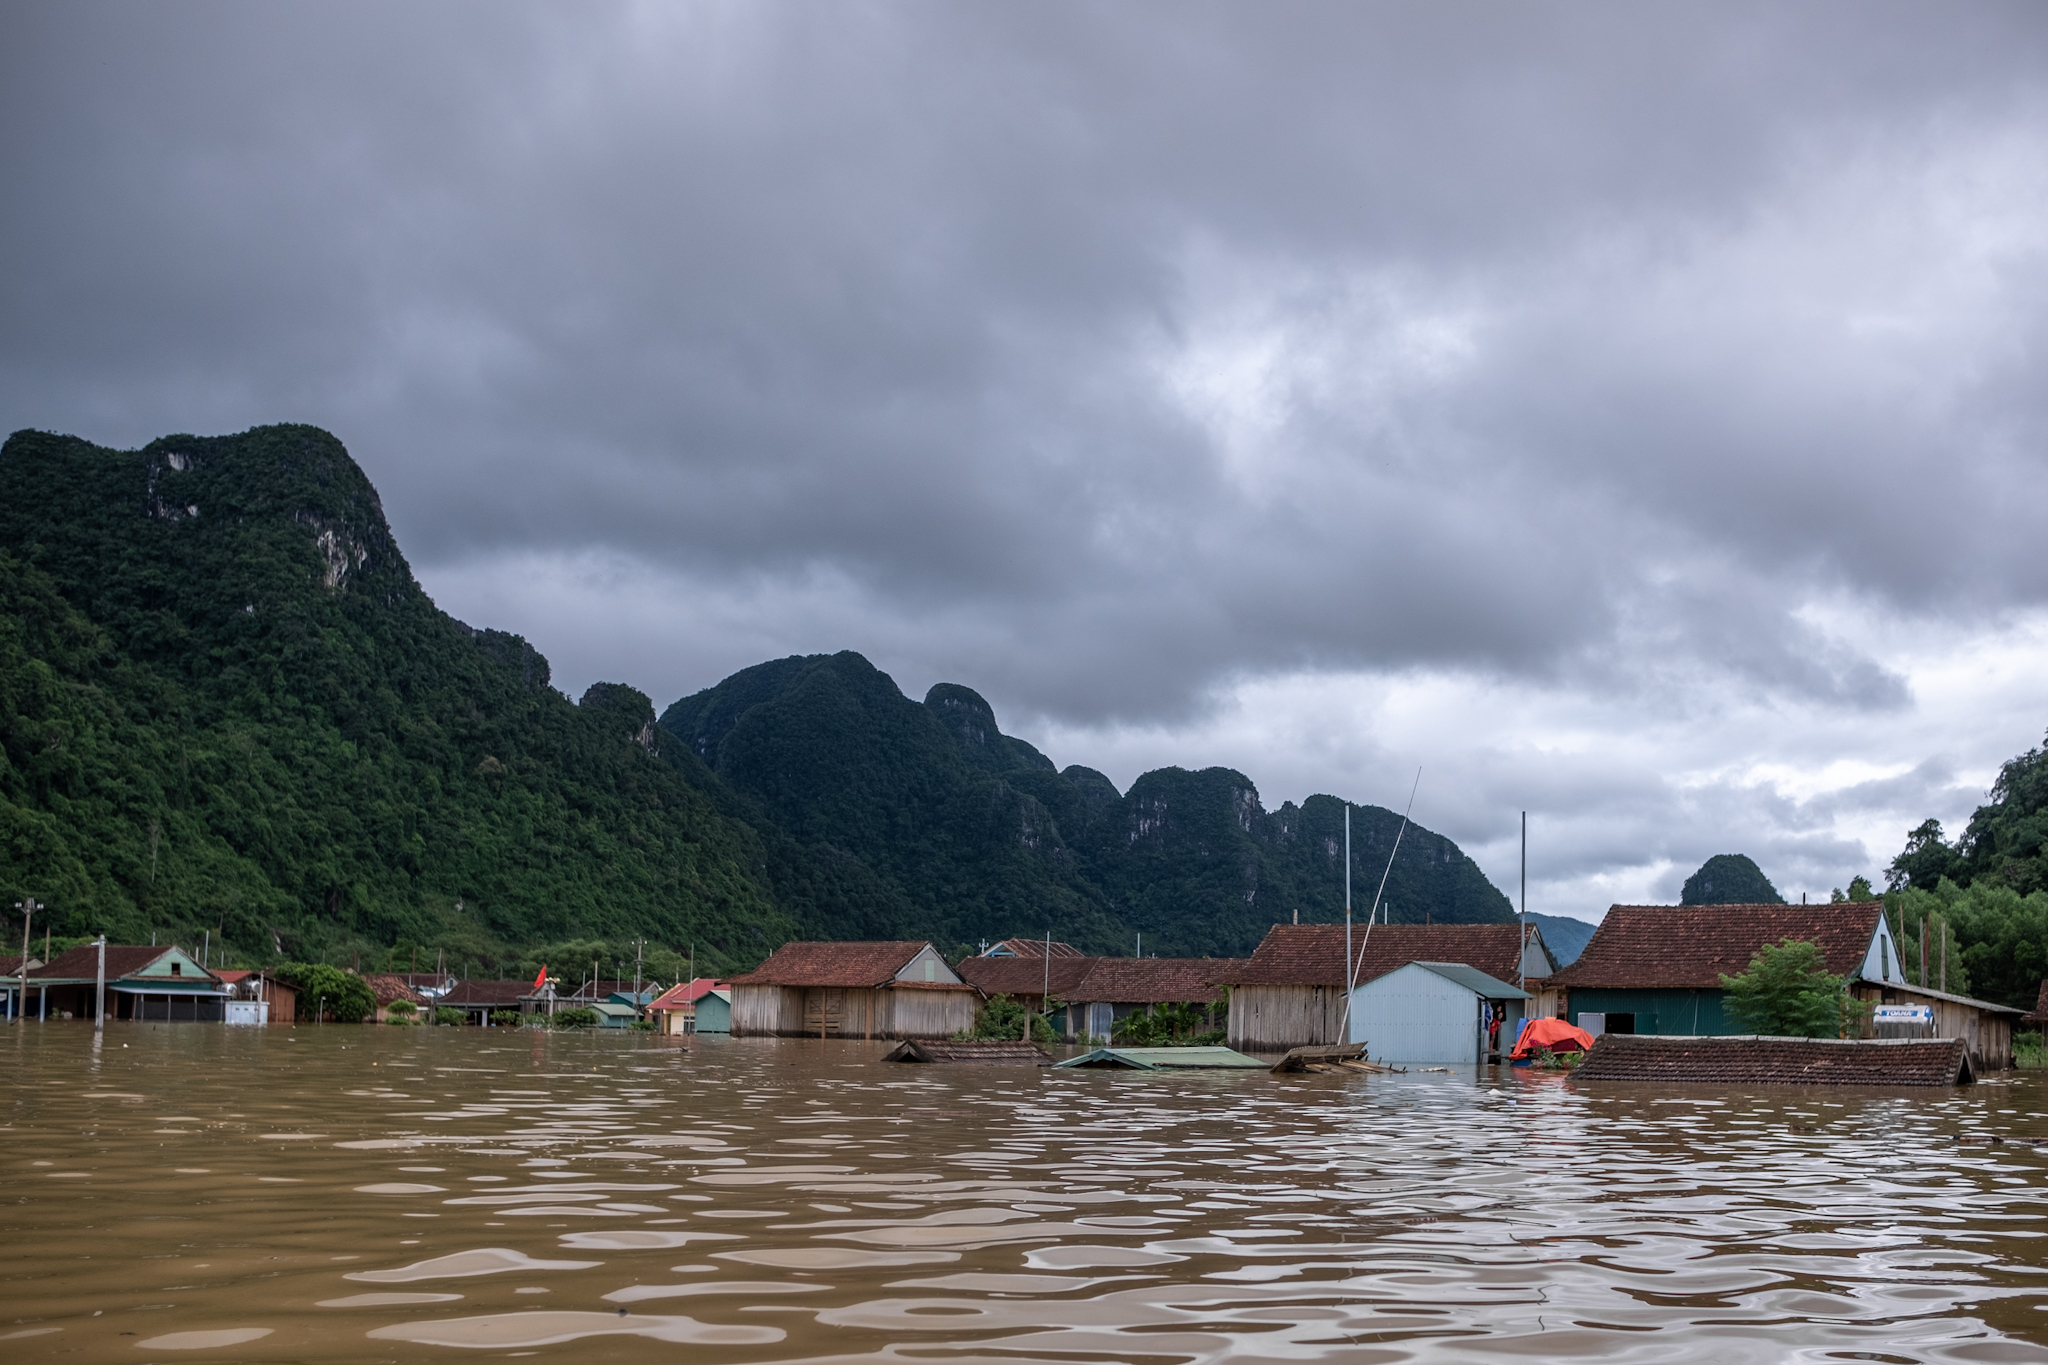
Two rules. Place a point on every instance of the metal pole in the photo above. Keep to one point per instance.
(1346, 973)
(99, 1009)
(28, 909)
(1523, 960)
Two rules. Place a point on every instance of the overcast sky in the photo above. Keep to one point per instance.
(1634, 414)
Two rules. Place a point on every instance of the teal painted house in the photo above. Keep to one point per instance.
(1658, 968)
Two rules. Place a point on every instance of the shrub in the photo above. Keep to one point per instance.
(446, 1015)
(580, 1017)
(506, 1018)
(1002, 1020)
(403, 1007)
(2029, 1051)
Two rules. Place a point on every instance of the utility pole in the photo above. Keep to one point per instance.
(1523, 966)
(27, 906)
(99, 1009)
(1345, 975)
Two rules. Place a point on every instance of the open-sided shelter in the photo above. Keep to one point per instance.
(897, 989)
(1290, 992)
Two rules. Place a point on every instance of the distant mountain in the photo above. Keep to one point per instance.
(1564, 936)
(984, 838)
(225, 705)
(227, 708)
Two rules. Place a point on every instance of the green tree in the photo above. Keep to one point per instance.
(582, 1016)
(1924, 861)
(328, 993)
(1789, 992)
(1729, 879)
(1002, 1020)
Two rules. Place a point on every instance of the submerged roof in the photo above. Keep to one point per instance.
(835, 964)
(1691, 947)
(992, 1052)
(1776, 1061)
(1166, 1058)
(390, 989)
(1313, 954)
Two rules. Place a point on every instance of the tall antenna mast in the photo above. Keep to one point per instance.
(1346, 973)
(1351, 969)
(1522, 957)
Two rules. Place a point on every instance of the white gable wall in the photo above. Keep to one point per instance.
(1881, 962)
(928, 966)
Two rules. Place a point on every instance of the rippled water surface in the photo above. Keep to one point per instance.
(190, 1192)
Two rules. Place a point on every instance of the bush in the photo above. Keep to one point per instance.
(1181, 1025)
(403, 1007)
(2029, 1051)
(581, 1017)
(506, 1018)
(1002, 1020)
(446, 1015)
(644, 1025)
(402, 1021)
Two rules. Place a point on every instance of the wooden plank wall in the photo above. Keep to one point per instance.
(1276, 1018)
(801, 1012)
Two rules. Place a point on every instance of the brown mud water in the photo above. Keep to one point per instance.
(192, 1192)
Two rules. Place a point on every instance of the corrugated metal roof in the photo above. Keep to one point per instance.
(1476, 981)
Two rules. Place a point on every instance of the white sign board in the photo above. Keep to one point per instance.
(247, 1012)
(1903, 1014)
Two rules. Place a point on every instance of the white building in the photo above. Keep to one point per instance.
(1435, 1013)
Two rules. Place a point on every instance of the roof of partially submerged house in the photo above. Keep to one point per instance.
(686, 993)
(1031, 947)
(1776, 1061)
(123, 960)
(390, 989)
(1025, 975)
(1156, 980)
(1313, 954)
(474, 993)
(2040, 1012)
(855, 965)
(1691, 947)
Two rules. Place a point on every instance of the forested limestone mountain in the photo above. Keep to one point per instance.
(226, 706)
(987, 838)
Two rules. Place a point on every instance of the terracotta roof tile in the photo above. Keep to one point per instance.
(991, 1053)
(389, 989)
(1024, 975)
(833, 964)
(1774, 1061)
(1313, 954)
(2040, 1013)
(1156, 980)
(686, 993)
(1690, 947)
(470, 994)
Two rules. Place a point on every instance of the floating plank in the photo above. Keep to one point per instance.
(1298, 1059)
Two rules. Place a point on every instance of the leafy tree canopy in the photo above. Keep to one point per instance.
(1729, 879)
(1788, 992)
(328, 993)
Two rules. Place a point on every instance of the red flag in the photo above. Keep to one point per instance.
(540, 982)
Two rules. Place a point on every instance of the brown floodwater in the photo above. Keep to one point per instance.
(193, 1192)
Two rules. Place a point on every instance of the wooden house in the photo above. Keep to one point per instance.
(894, 990)
(160, 984)
(1118, 987)
(1985, 1028)
(1290, 992)
(258, 998)
(1028, 979)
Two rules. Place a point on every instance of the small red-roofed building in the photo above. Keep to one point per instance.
(390, 989)
(1030, 981)
(1117, 987)
(700, 1006)
(164, 985)
(895, 990)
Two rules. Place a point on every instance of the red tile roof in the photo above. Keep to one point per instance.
(685, 993)
(390, 989)
(1313, 954)
(82, 963)
(992, 1053)
(858, 965)
(2040, 1013)
(1156, 980)
(1775, 1061)
(1025, 975)
(1690, 947)
(1035, 947)
(494, 994)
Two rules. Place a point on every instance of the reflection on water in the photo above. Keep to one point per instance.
(359, 1193)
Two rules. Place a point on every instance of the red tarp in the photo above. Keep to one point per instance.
(1554, 1034)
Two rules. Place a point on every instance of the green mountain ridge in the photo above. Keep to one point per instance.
(226, 705)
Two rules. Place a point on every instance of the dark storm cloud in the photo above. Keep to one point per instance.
(1101, 354)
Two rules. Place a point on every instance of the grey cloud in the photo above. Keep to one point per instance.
(1098, 355)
